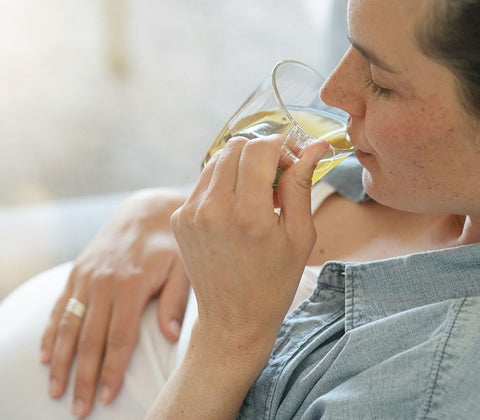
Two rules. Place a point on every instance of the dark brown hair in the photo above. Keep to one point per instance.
(451, 35)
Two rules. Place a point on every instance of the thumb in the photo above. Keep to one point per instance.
(172, 302)
(295, 184)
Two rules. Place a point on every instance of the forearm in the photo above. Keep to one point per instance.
(244, 262)
(212, 381)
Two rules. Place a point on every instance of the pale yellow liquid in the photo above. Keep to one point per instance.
(265, 123)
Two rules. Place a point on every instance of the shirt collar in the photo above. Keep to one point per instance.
(378, 289)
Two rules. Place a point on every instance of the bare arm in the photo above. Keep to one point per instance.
(211, 382)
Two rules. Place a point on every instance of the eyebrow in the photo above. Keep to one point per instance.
(370, 56)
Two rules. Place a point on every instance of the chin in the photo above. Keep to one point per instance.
(390, 197)
(380, 193)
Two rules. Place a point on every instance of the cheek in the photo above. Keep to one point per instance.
(414, 137)
(413, 149)
(395, 138)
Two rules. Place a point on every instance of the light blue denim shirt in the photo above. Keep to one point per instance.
(392, 339)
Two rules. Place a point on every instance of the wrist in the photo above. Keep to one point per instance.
(213, 378)
(239, 353)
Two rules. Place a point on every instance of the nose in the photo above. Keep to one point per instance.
(344, 88)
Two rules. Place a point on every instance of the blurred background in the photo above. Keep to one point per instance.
(99, 98)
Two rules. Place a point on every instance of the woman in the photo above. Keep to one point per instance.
(393, 333)
(392, 338)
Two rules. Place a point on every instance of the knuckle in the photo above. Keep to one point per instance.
(237, 141)
(104, 273)
(81, 272)
(60, 365)
(244, 220)
(101, 283)
(179, 222)
(47, 337)
(120, 339)
(174, 218)
(66, 328)
(254, 144)
(182, 216)
(207, 213)
(111, 370)
(84, 381)
(129, 286)
(203, 214)
(272, 141)
(88, 345)
(204, 217)
(304, 181)
(250, 224)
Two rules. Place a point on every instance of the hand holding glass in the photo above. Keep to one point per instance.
(288, 103)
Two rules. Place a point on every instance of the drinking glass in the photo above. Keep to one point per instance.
(288, 103)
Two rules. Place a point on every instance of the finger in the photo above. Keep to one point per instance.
(205, 177)
(218, 179)
(48, 338)
(224, 177)
(90, 349)
(256, 173)
(294, 189)
(121, 338)
(64, 351)
(172, 302)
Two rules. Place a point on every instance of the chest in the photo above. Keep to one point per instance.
(349, 231)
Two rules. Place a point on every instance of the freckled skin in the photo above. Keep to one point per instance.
(422, 150)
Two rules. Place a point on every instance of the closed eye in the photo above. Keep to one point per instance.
(376, 89)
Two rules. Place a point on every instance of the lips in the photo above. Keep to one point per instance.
(361, 150)
(361, 156)
(355, 138)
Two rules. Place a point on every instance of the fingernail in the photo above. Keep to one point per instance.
(53, 389)
(323, 148)
(78, 407)
(105, 394)
(175, 327)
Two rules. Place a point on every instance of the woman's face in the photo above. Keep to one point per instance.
(419, 148)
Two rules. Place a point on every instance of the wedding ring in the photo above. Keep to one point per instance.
(75, 307)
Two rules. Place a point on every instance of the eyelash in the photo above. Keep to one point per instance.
(378, 90)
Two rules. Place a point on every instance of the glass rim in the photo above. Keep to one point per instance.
(278, 97)
(283, 107)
